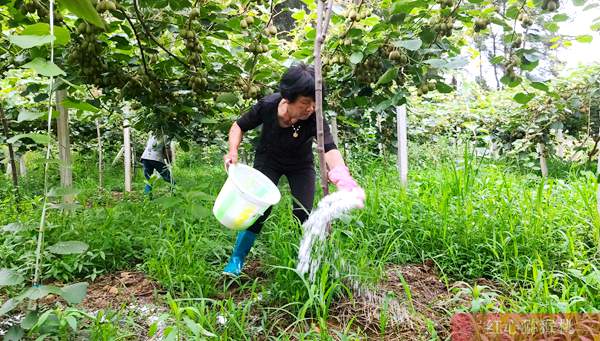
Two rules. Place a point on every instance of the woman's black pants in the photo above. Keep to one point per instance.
(302, 184)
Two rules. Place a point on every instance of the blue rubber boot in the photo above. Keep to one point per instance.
(243, 244)
(147, 189)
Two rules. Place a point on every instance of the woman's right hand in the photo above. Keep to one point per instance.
(230, 158)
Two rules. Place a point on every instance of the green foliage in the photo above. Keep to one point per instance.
(475, 218)
(235, 52)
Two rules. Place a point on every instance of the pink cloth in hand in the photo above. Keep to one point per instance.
(342, 179)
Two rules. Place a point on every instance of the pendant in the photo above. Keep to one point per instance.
(295, 135)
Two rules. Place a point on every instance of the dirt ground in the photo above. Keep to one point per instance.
(122, 288)
(412, 302)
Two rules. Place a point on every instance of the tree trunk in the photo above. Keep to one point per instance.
(64, 144)
(127, 153)
(402, 144)
(11, 153)
(323, 17)
(541, 149)
(100, 157)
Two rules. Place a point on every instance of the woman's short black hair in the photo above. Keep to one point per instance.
(298, 80)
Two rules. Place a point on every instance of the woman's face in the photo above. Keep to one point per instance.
(300, 109)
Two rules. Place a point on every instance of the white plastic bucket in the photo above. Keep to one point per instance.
(245, 196)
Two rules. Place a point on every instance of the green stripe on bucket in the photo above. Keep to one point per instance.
(226, 204)
(261, 192)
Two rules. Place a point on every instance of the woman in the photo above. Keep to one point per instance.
(288, 130)
(153, 158)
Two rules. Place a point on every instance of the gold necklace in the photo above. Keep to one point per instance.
(296, 129)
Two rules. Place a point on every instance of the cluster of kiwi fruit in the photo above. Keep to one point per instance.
(443, 25)
(246, 22)
(193, 46)
(198, 83)
(35, 6)
(517, 41)
(271, 30)
(335, 59)
(550, 5)
(257, 48)
(145, 84)
(446, 3)
(396, 55)
(512, 63)
(480, 24)
(369, 71)
(105, 5)
(525, 19)
(249, 89)
(425, 87)
(87, 52)
(355, 14)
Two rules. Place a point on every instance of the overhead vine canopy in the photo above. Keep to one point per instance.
(183, 63)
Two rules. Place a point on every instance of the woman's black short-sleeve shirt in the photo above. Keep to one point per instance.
(279, 143)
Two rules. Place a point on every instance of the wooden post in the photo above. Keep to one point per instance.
(100, 157)
(402, 144)
(598, 195)
(560, 151)
(11, 154)
(64, 144)
(598, 188)
(127, 150)
(323, 17)
(541, 149)
(133, 164)
(334, 129)
(380, 145)
(493, 148)
(22, 166)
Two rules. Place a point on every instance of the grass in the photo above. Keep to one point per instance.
(537, 239)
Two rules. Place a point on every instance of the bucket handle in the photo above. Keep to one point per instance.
(228, 164)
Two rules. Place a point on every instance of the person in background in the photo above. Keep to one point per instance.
(156, 156)
(285, 147)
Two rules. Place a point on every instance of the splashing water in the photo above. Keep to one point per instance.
(331, 207)
(311, 253)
